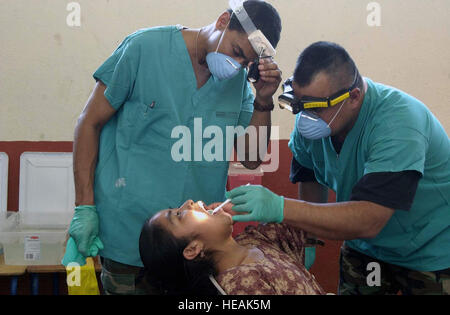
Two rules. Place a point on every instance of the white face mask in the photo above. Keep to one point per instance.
(221, 66)
(313, 127)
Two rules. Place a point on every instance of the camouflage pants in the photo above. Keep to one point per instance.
(120, 279)
(353, 279)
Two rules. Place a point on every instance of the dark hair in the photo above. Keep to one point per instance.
(264, 16)
(166, 268)
(330, 58)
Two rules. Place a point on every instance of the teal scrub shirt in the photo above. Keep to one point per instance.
(393, 133)
(151, 83)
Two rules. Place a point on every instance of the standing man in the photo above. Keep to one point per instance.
(387, 158)
(159, 79)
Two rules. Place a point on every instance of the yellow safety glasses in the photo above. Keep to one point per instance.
(288, 100)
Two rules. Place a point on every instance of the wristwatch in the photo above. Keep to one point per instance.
(268, 108)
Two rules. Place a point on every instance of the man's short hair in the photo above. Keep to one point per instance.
(326, 57)
(264, 16)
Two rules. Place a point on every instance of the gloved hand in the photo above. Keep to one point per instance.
(261, 204)
(310, 257)
(84, 231)
(72, 254)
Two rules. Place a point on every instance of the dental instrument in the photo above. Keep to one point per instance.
(202, 205)
(222, 205)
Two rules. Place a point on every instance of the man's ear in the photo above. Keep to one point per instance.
(193, 250)
(355, 97)
(223, 21)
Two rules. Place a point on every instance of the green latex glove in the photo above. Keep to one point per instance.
(310, 257)
(261, 204)
(84, 231)
(72, 254)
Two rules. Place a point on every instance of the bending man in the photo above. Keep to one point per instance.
(387, 158)
(158, 81)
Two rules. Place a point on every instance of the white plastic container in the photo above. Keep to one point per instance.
(36, 234)
(44, 221)
(5, 225)
(31, 246)
(46, 190)
(3, 181)
(7, 220)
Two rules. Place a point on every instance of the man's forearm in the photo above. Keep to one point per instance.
(85, 153)
(312, 192)
(257, 147)
(337, 221)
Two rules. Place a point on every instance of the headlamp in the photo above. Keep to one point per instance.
(257, 39)
(289, 102)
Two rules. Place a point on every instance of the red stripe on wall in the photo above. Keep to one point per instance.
(326, 267)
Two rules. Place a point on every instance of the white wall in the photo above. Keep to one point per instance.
(46, 66)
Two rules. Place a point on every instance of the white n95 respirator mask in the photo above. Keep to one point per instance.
(221, 66)
(312, 127)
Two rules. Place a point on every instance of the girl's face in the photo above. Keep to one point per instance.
(193, 222)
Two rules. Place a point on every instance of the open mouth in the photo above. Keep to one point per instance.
(201, 207)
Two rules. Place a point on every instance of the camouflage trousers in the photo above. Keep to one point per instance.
(120, 279)
(354, 275)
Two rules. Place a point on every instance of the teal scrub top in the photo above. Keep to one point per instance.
(394, 132)
(151, 83)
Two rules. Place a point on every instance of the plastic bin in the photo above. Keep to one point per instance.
(5, 225)
(41, 221)
(7, 220)
(31, 246)
(238, 176)
(46, 189)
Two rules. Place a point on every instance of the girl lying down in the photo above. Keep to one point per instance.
(189, 251)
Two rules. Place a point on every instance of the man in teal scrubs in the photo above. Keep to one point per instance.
(160, 79)
(387, 158)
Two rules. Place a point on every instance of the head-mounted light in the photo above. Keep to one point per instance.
(257, 39)
(289, 102)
